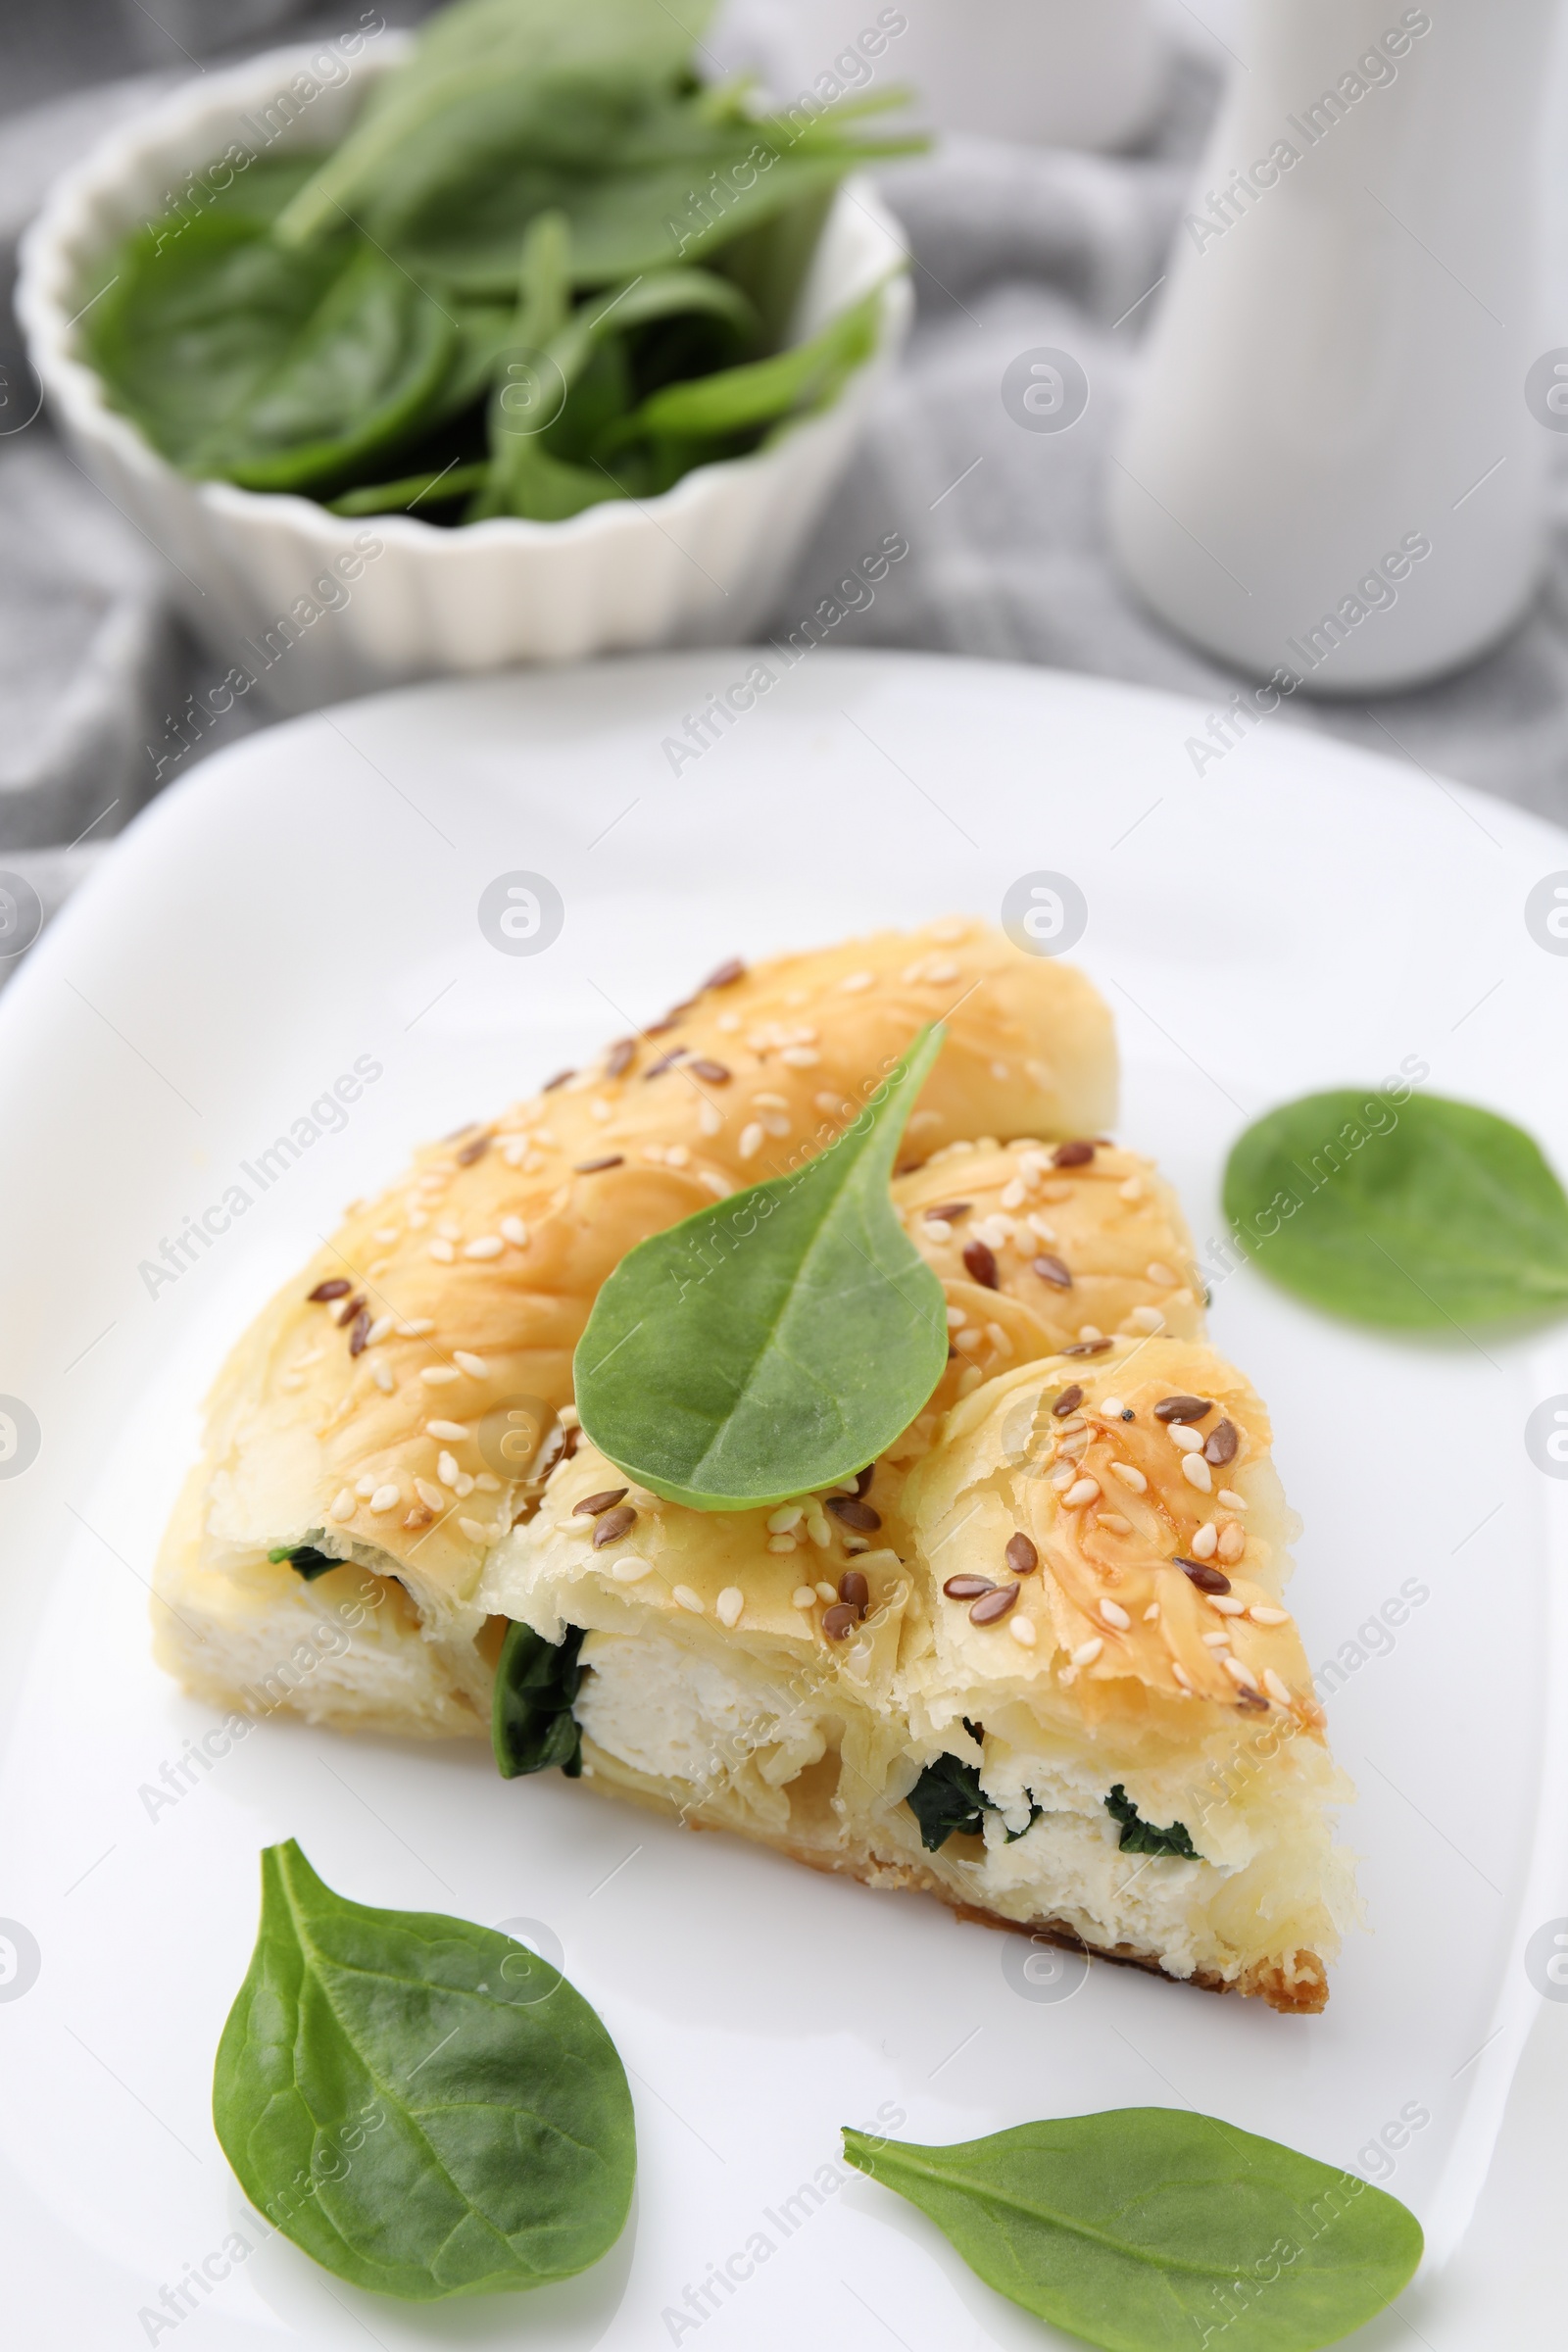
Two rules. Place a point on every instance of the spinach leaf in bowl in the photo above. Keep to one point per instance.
(278, 371)
(347, 326)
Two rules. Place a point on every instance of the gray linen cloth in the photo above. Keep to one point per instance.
(1014, 248)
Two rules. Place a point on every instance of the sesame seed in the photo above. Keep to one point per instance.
(385, 1499)
(342, 1505)
(1227, 1604)
(1112, 1407)
(1151, 1613)
(476, 1532)
(1130, 1477)
(593, 1506)
(937, 1230)
(489, 1245)
(449, 1229)
(800, 1058)
(487, 1483)
(592, 1167)
(786, 1518)
(1278, 1691)
(1081, 1494)
(1016, 1194)
(687, 1599)
(1239, 1673)
(1217, 1642)
(980, 1263)
(753, 1136)
(816, 1527)
(1115, 1614)
(1263, 1615)
(1187, 1440)
(365, 1485)
(1064, 1474)
(515, 1231)
(465, 1485)
(969, 1380)
(438, 1374)
(1231, 1499)
(853, 982)
(729, 1605)
(1114, 1521)
(474, 1365)
(378, 1330)
(940, 970)
(1132, 1190)
(804, 1596)
(629, 1568)
(1207, 1579)
(1205, 1540)
(415, 1328)
(382, 1374)
(386, 1235)
(442, 1250)
(999, 1339)
(1147, 1319)
(713, 1184)
(1232, 1540)
(994, 1605)
(446, 1469)
(1088, 1652)
(1181, 1674)
(1091, 1337)
(781, 1543)
(827, 1591)
(430, 1495)
(1038, 1227)
(1157, 1271)
(1023, 1633)
(729, 1023)
(855, 1513)
(455, 1430)
(1196, 1471)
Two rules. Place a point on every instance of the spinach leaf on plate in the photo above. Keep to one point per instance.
(1151, 2230)
(778, 1341)
(531, 1724)
(395, 2095)
(1420, 1216)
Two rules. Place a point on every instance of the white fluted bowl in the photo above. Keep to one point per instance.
(702, 565)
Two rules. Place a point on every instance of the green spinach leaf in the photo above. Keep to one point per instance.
(1150, 2229)
(947, 1798)
(393, 2092)
(306, 1561)
(496, 78)
(1140, 1837)
(276, 370)
(531, 1724)
(1418, 1216)
(777, 1342)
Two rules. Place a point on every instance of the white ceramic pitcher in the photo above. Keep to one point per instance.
(1330, 466)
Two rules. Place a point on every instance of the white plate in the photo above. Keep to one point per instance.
(1302, 916)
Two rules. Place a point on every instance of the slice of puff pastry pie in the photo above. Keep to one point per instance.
(1032, 1659)
(1042, 1670)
